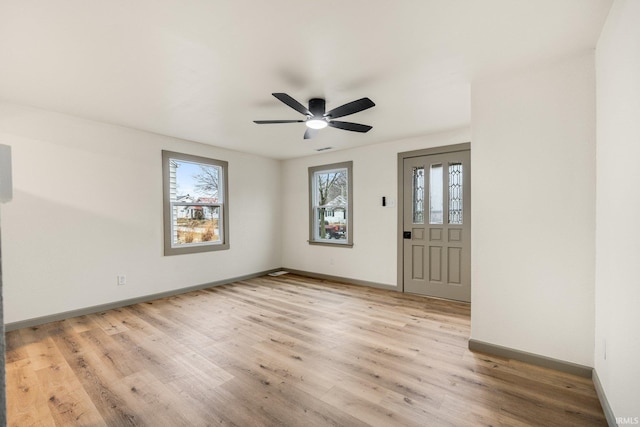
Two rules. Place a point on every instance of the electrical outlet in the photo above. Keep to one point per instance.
(122, 279)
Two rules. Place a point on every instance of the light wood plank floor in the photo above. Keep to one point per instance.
(289, 351)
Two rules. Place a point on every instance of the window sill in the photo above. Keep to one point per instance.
(332, 244)
(211, 247)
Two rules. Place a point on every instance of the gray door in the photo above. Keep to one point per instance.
(437, 230)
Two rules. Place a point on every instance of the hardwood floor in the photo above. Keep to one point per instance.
(289, 351)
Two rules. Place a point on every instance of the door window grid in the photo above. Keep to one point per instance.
(455, 193)
(436, 199)
(418, 195)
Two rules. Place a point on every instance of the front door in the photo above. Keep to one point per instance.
(437, 231)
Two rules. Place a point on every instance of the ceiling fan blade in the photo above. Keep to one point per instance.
(264, 122)
(355, 127)
(292, 103)
(350, 108)
(310, 133)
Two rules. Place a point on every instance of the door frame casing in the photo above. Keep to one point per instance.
(466, 146)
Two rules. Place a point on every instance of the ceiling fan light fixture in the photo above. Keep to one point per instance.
(316, 116)
(316, 123)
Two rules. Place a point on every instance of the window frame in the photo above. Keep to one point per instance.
(222, 204)
(313, 239)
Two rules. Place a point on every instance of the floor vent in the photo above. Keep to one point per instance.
(278, 273)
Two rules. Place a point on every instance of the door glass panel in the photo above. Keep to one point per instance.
(435, 195)
(418, 195)
(455, 193)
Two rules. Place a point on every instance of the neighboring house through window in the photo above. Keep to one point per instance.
(330, 210)
(195, 204)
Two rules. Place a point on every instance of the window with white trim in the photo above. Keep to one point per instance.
(195, 204)
(331, 204)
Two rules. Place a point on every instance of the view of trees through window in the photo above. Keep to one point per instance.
(195, 204)
(195, 198)
(331, 200)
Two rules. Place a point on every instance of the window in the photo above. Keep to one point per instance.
(195, 204)
(435, 194)
(418, 195)
(330, 198)
(455, 193)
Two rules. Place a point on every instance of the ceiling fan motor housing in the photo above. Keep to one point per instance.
(317, 107)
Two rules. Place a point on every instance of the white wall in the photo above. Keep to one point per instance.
(373, 257)
(88, 206)
(618, 209)
(533, 210)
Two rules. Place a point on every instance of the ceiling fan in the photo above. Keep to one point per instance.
(318, 119)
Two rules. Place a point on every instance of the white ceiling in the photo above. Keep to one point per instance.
(203, 70)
